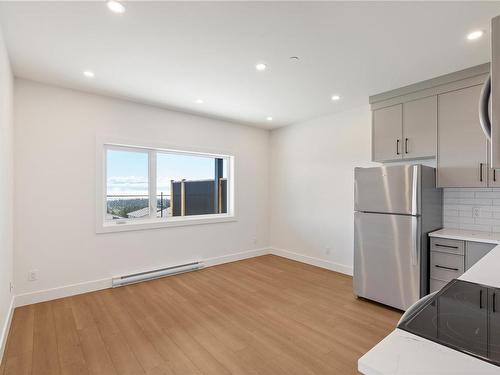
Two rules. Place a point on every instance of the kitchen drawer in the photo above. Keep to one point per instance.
(446, 245)
(446, 266)
(436, 285)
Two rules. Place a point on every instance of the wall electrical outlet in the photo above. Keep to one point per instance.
(33, 275)
(475, 212)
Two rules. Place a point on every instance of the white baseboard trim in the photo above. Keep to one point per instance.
(92, 286)
(5, 329)
(235, 257)
(332, 266)
(61, 292)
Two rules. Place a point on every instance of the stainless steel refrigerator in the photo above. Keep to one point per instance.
(395, 208)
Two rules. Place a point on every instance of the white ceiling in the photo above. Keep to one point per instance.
(172, 53)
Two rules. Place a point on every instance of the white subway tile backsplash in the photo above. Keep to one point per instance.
(487, 194)
(472, 208)
(451, 212)
(482, 228)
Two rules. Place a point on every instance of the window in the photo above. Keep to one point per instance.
(150, 187)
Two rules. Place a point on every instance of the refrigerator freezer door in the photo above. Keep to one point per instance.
(393, 189)
(387, 258)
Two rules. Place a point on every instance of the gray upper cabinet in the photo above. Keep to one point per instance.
(437, 118)
(387, 127)
(420, 128)
(405, 131)
(462, 147)
(494, 178)
(493, 174)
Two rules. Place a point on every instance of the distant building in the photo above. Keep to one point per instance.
(144, 212)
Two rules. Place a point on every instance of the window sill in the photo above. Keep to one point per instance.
(156, 224)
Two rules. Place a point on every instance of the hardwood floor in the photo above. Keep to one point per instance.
(261, 316)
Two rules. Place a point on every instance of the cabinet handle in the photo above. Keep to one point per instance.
(481, 172)
(446, 268)
(494, 175)
(481, 299)
(406, 145)
(448, 246)
(494, 301)
(397, 147)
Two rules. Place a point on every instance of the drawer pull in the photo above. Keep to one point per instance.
(481, 299)
(446, 268)
(448, 246)
(494, 301)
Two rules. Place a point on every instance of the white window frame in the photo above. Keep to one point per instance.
(152, 222)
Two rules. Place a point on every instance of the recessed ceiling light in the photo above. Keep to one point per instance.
(335, 98)
(475, 34)
(199, 101)
(269, 118)
(115, 6)
(88, 74)
(261, 67)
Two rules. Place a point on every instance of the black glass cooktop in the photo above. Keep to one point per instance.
(463, 316)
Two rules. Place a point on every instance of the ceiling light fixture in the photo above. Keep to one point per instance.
(115, 6)
(261, 67)
(335, 98)
(199, 101)
(88, 74)
(269, 118)
(475, 34)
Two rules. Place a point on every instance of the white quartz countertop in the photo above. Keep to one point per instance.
(467, 235)
(486, 271)
(404, 353)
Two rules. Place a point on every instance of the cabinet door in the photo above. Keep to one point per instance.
(475, 251)
(420, 128)
(493, 174)
(494, 327)
(387, 133)
(462, 146)
(494, 177)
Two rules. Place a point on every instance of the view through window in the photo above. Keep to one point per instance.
(175, 184)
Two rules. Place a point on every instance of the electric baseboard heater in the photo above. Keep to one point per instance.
(155, 274)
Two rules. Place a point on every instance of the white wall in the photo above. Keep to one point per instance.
(312, 180)
(6, 177)
(55, 184)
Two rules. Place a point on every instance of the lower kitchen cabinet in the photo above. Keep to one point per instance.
(494, 323)
(475, 251)
(450, 258)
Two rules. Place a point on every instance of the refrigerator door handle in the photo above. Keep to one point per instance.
(484, 101)
(414, 191)
(415, 240)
